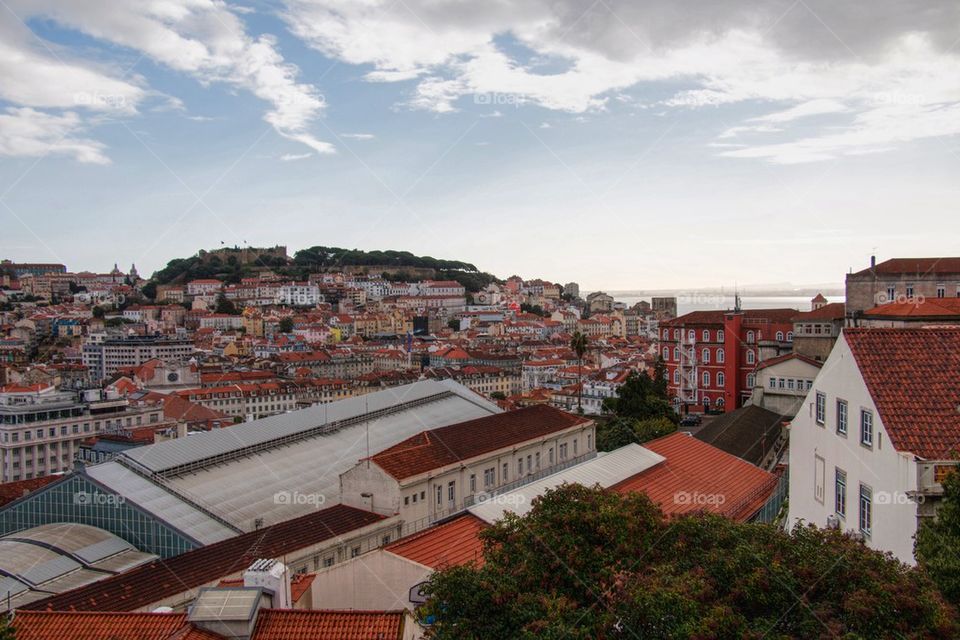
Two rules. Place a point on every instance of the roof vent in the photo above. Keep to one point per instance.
(228, 611)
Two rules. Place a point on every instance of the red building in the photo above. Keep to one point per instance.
(711, 355)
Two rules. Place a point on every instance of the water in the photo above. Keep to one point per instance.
(687, 301)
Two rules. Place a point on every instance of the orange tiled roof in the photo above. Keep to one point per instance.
(275, 624)
(60, 625)
(927, 308)
(914, 266)
(697, 476)
(911, 375)
(447, 445)
(832, 311)
(452, 543)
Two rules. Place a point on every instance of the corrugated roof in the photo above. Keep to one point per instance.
(605, 470)
(699, 477)
(443, 446)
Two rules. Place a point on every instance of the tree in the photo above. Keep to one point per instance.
(226, 306)
(286, 325)
(98, 312)
(454, 324)
(641, 397)
(149, 290)
(938, 541)
(589, 563)
(618, 432)
(579, 343)
(498, 395)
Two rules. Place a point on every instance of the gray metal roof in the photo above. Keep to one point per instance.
(164, 456)
(605, 470)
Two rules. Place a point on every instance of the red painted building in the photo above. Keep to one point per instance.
(711, 355)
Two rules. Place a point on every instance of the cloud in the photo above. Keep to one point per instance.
(292, 157)
(31, 133)
(794, 59)
(546, 125)
(203, 39)
(358, 136)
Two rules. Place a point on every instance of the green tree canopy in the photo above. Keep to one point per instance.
(588, 563)
(938, 541)
(286, 325)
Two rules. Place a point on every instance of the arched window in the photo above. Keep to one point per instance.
(751, 357)
(779, 336)
(789, 336)
(676, 334)
(751, 379)
(692, 335)
(719, 402)
(706, 401)
(721, 379)
(719, 335)
(666, 353)
(705, 355)
(676, 377)
(666, 334)
(750, 337)
(706, 335)
(721, 356)
(676, 354)
(706, 378)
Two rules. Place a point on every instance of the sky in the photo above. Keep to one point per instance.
(617, 143)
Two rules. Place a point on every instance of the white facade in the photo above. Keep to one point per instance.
(821, 455)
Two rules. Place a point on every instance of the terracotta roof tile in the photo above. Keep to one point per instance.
(832, 311)
(61, 625)
(941, 308)
(273, 624)
(447, 445)
(914, 266)
(911, 375)
(452, 543)
(699, 477)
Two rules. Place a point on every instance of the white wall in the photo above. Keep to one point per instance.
(887, 472)
(378, 580)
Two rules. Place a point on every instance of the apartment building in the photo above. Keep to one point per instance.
(104, 355)
(900, 279)
(41, 427)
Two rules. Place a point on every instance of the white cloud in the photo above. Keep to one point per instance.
(292, 157)
(358, 136)
(546, 125)
(31, 133)
(204, 39)
(814, 58)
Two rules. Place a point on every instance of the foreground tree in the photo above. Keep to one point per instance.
(938, 542)
(586, 563)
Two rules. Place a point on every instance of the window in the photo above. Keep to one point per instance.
(439, 495)
(720, 356)
(840, 493)
(722, 380)
(423, 496)
(519, 467)
(866, 428)
(550, 456)
(750, 337)
(780, 382)
(676, 353)
(866, 509)
(328, 561)
(676, 334)
(779, 336)
(790, 383)
(751, 357)
(891, 294)
(385, 540)
(589, 441)
(538, 459)
(719, 335)
(910, 290)
(354, 552)
(488, 479)
(666, 334)
(706, 335)
(574, 446)
(692, 335)
(506, 472)
(414, 498)
(789, 336)
(406, 501)
(529, 464)
(451, 491)
(705, 355)
(666, 354)
(821, 407)
(842, 417)
(563, 451)
(706, 378)
(773, 382)
(473, 483)
(676, 379)
(941, 291)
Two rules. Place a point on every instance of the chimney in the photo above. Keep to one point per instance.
(274, 578)
(873, 262)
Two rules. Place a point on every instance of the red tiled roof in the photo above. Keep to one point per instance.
(697, 476)
(299, 583)
(914, 266)
(832, 311)
(10, 491)
(73, 625)
(290, 624)
(926, 308)
(150, 583)
(452, 543)
(447, 445)
(911, 375)
(717, 316)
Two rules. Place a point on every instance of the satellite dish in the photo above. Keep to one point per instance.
(416, 595)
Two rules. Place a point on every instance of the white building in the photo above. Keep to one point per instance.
(876, 434)
(299, 294)
(782, 383)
